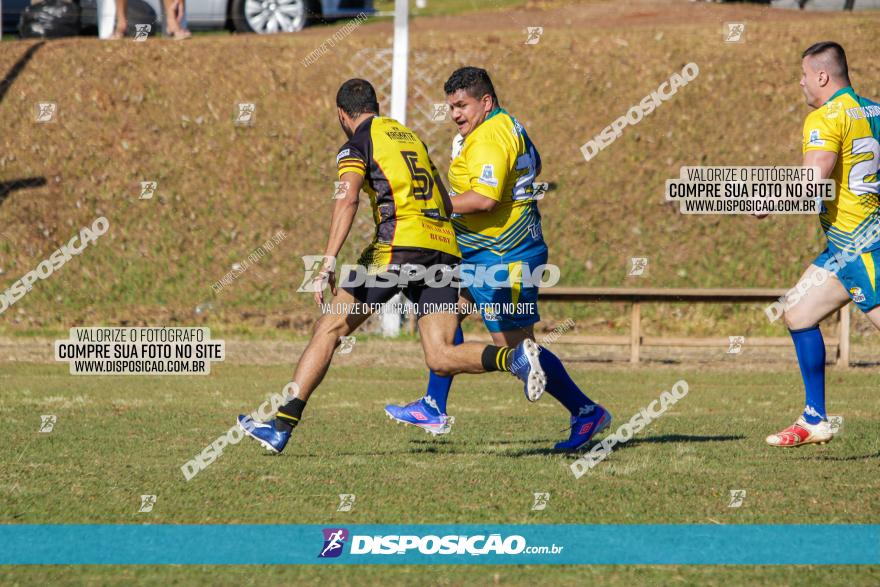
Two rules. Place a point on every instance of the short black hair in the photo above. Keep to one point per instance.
(834, 57)
(357, 96)
(473, 80)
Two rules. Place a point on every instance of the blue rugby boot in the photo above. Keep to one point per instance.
(525, 363)
(422, 414)
(588, 423)
(266, 433)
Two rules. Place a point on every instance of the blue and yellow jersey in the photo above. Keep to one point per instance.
(848, 125)
(404, 189)
(498, 161)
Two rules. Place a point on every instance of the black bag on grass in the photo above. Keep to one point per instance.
(50, 19)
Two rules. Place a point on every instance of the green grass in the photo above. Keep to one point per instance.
(119, 437)
(530, 576)
(443, 576)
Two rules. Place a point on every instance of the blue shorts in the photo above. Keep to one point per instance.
(514, 304)
(859, 274)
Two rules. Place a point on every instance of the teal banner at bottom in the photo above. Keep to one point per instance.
(390, 544)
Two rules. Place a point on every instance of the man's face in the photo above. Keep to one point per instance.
(812, 82)
(468, 112)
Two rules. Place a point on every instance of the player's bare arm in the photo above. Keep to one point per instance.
(471, 202)
(824, 160)
(341, 219)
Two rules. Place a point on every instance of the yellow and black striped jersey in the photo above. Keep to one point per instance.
(848, 125)
(404, 190)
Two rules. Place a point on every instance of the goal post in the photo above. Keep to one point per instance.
(399, 62)
(392, 319)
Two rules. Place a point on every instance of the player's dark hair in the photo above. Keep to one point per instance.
(357, 96)
(473, 80)
(835, 54)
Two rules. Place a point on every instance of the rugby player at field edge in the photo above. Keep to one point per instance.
(841, 137)
(497, 224)
(410, 206)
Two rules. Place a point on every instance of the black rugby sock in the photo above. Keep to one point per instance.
(496, 358)
(289, 415)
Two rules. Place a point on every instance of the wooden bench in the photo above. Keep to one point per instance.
(638, 296)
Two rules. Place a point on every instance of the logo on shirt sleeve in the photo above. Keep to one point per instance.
(815, 139)
(487, 176)
(833, 109)
(343, 153)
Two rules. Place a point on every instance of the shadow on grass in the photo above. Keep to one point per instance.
(876, 455)
(17, 68)
(445, 441)
(452, 447)
(7, 187)
(634, 442)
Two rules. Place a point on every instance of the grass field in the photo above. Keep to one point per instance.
(117, 438)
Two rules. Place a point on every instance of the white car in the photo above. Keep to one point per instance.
(252, 16)
(267, 16)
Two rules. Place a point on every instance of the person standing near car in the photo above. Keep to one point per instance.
(174, 17)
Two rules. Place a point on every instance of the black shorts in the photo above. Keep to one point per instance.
(430, 292)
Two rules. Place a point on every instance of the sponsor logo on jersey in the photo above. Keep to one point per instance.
(833, 109)
(857, 295)
(343, 153)
(396, 134)
(864, 112)
(815, 138)
(487, 176)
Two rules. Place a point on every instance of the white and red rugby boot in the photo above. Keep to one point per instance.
(801, 433)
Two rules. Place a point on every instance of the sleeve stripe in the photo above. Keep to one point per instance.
(351, 160)
(350, 169)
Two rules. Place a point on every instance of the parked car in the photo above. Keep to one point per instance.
(255, 16)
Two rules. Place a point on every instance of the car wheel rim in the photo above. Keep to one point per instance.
(273, 16)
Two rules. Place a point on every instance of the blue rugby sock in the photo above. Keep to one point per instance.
(560, 385)
(810, 349)
(438, 386)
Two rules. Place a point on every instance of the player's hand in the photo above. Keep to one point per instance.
(331, 280)
(325, 277)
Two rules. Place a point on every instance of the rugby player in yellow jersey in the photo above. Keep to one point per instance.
(842, 138)
(498, 228)
(411, 210)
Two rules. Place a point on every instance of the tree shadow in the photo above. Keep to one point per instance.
(7, 187)
(18, 67)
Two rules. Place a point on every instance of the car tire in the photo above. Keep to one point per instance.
(272, 16)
